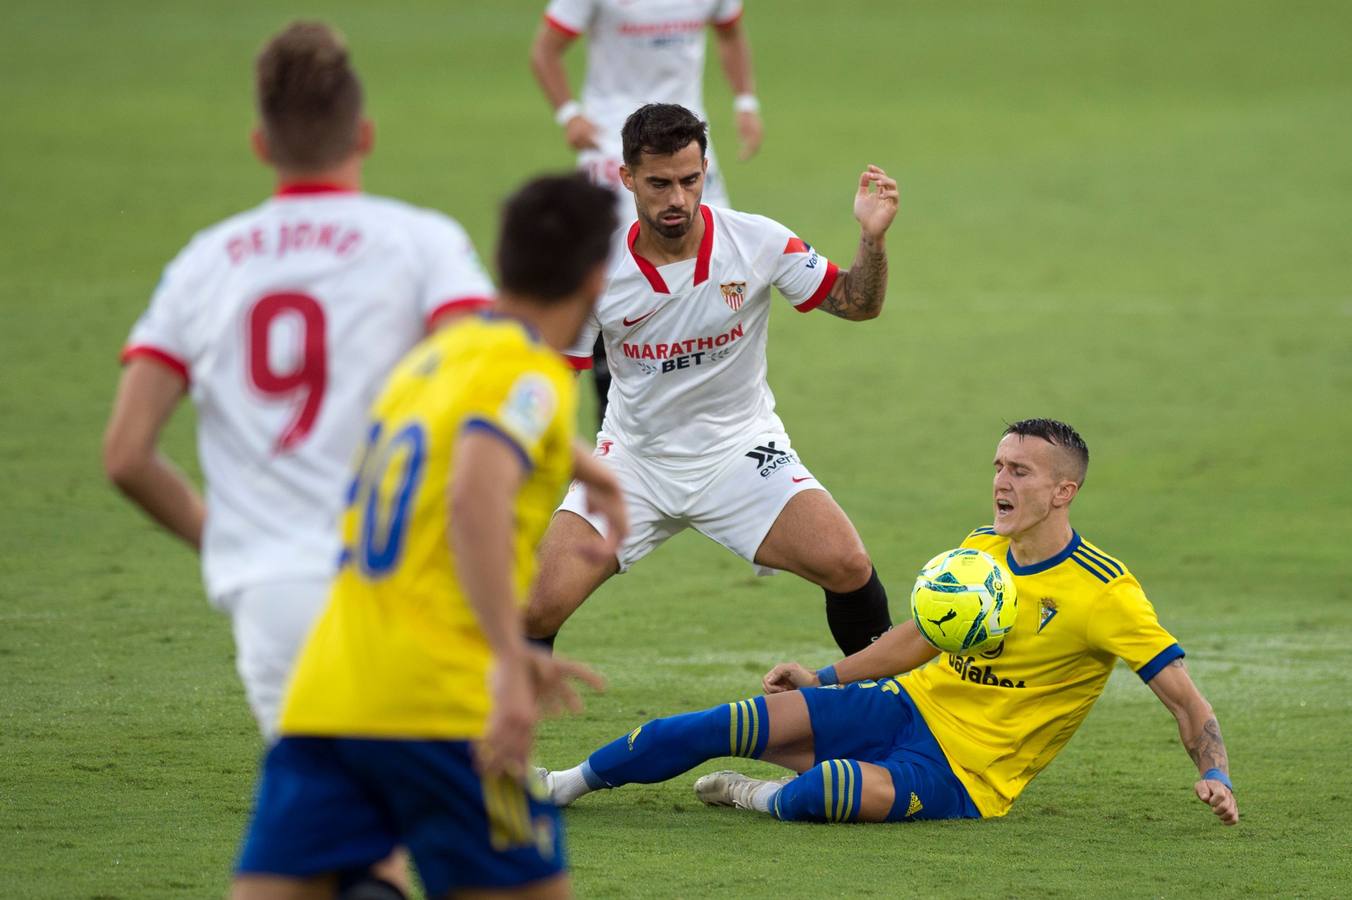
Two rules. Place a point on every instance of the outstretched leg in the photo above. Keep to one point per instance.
(838, 790)
(566, 577)
(774, 728)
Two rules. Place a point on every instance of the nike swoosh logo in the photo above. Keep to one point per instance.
(800, 480)
(628, 322)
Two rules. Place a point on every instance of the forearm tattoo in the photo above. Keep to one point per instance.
(858, 293)
(1207, 749)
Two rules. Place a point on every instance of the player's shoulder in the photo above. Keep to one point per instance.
(984, 538)
(737, 221)
(1099, 565)
(411, 217)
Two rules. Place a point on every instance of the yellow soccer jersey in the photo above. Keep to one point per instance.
(1000, 716)
(398, 651)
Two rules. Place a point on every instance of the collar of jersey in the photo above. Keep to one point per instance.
(706, 249)
(301, 188)
(493, 315)
(1046, 563)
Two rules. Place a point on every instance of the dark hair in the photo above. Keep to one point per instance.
(1060, 434)
(555, 230)
(662, 129)
(309, 98)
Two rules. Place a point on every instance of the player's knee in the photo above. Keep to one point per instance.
(829, 792)
(849, 571)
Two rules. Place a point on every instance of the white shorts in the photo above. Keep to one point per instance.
(734, 501)
(271, 622)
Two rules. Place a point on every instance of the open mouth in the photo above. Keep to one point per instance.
(1003, 507)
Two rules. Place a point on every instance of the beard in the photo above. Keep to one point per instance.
(670, 232)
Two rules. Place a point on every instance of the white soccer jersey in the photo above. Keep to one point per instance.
(686, 341)
(284, 320)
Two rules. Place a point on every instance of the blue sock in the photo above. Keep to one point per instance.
(664, 748)
(829, 792)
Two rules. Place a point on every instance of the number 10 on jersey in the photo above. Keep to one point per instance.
(383, 492)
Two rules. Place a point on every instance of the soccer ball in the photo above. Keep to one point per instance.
(964, 601)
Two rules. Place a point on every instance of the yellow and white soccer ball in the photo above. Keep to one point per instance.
(964, 601)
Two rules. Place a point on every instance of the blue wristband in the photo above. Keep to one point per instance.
(1218, 775)
(827, 676)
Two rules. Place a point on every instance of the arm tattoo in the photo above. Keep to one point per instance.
(859, 291)
(1207, 749)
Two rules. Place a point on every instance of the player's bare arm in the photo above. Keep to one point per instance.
(546, 62)
(734, 54)
(859, 292)
(1201, 736)
(147, 395)
(896, 651)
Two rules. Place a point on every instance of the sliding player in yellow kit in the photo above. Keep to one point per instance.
(410, 713)
(962, 736)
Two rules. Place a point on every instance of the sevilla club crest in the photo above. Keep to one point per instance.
(734, 294)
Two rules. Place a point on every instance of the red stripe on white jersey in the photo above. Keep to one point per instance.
(449, 308)
(796, 245)
(828, 282)
(163, 357)
(560, 27)
(578, 363)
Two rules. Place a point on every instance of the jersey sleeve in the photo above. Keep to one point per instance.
(161, 332)
(455, 280)
(1124, 624)
(570, 17)
(725, 13)
(579, 356)
(802, 274)
(521, 405)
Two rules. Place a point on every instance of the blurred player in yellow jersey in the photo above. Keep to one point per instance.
(410, 713)
(961, 736)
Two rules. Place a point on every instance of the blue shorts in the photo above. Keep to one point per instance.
(341, 804)
(876, 722)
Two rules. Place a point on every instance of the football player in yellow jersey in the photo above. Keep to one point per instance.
(891, 733)
(410, 713)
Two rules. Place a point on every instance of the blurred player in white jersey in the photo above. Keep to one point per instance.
(691, 428)
(641, 53)
(282, 322)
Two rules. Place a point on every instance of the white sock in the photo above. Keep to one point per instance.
(763, 795)
(567, 785)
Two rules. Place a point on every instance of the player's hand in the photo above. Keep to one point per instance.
(580, 132)
(554, 676)
(505, 748)
(606, 499)
(875, 203)
(750, 130)
(789, 676)
(1220, 798)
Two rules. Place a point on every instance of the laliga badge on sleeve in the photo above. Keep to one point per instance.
(529, 407)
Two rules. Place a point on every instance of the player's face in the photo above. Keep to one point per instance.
(667, 189)
(1027, 484)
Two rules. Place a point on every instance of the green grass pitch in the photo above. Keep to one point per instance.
(1133, 216)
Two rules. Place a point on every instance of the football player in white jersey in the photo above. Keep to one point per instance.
(691, 428)
(282, 322)
(640, 53)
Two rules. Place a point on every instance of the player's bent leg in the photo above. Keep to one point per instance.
(776, 729)
(566, 577)
(814, 539)
(837, 790)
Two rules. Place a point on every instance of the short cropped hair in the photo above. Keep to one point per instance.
(661, 129)
(555, 230)
(309, 98)
(1061, 435)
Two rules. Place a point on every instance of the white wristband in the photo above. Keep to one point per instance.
(565, 113)
(745, 103)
